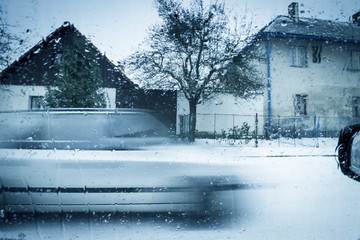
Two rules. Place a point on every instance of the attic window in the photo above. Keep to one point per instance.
(298, 56)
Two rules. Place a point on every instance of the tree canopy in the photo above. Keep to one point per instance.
(6, 42)
(78, 80)
(194, 50)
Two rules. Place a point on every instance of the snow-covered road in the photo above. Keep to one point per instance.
(295, 192)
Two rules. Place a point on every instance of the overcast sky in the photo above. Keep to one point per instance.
(116, 27)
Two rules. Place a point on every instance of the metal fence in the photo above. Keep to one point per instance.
(233, 126)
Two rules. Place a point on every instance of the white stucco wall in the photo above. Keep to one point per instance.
(222, 113)
(328, 84)
(15, 97)
(110, 97)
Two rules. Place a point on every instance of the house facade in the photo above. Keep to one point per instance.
(312, 70)
(311, 73)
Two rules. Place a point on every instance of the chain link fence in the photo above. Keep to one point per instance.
(233, 126)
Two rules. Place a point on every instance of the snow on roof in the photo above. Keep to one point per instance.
(284, 26)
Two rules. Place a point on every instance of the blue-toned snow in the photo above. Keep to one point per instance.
(302, 195)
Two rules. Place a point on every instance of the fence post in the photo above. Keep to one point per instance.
(279, 130)
(215, 126)
(233, 126)
(326, 131)
(294, 134)
(314, 130)
(256, 130)
(317, 132)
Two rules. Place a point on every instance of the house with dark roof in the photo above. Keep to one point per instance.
(23, 83)
(311, 72)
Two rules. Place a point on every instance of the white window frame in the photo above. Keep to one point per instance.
(298, 56)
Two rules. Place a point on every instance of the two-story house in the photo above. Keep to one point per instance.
(312, 68)
(311, 73)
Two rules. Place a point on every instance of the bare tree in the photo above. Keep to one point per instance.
(5, 42)
(192, 50)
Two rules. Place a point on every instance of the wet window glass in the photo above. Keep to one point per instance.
(157, 119)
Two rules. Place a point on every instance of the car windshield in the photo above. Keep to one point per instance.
(181, 119)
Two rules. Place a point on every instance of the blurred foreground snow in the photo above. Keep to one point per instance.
(298, 193)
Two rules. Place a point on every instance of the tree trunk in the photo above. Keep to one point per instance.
(192, 121)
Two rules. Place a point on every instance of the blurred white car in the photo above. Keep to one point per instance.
(86, 161)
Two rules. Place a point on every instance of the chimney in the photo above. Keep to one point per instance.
(293, 9)
(356, 18)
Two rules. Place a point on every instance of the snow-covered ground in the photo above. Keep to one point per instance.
(295, 191)
(277, 147)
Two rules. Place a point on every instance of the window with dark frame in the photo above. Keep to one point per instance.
(356, 107)
(298, 56)
(316, 54)
(300, 104)
(37, 103)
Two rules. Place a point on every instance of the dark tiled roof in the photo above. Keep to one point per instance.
(54, 38)
(284, 26)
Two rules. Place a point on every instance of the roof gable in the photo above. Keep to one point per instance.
(22, 71)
